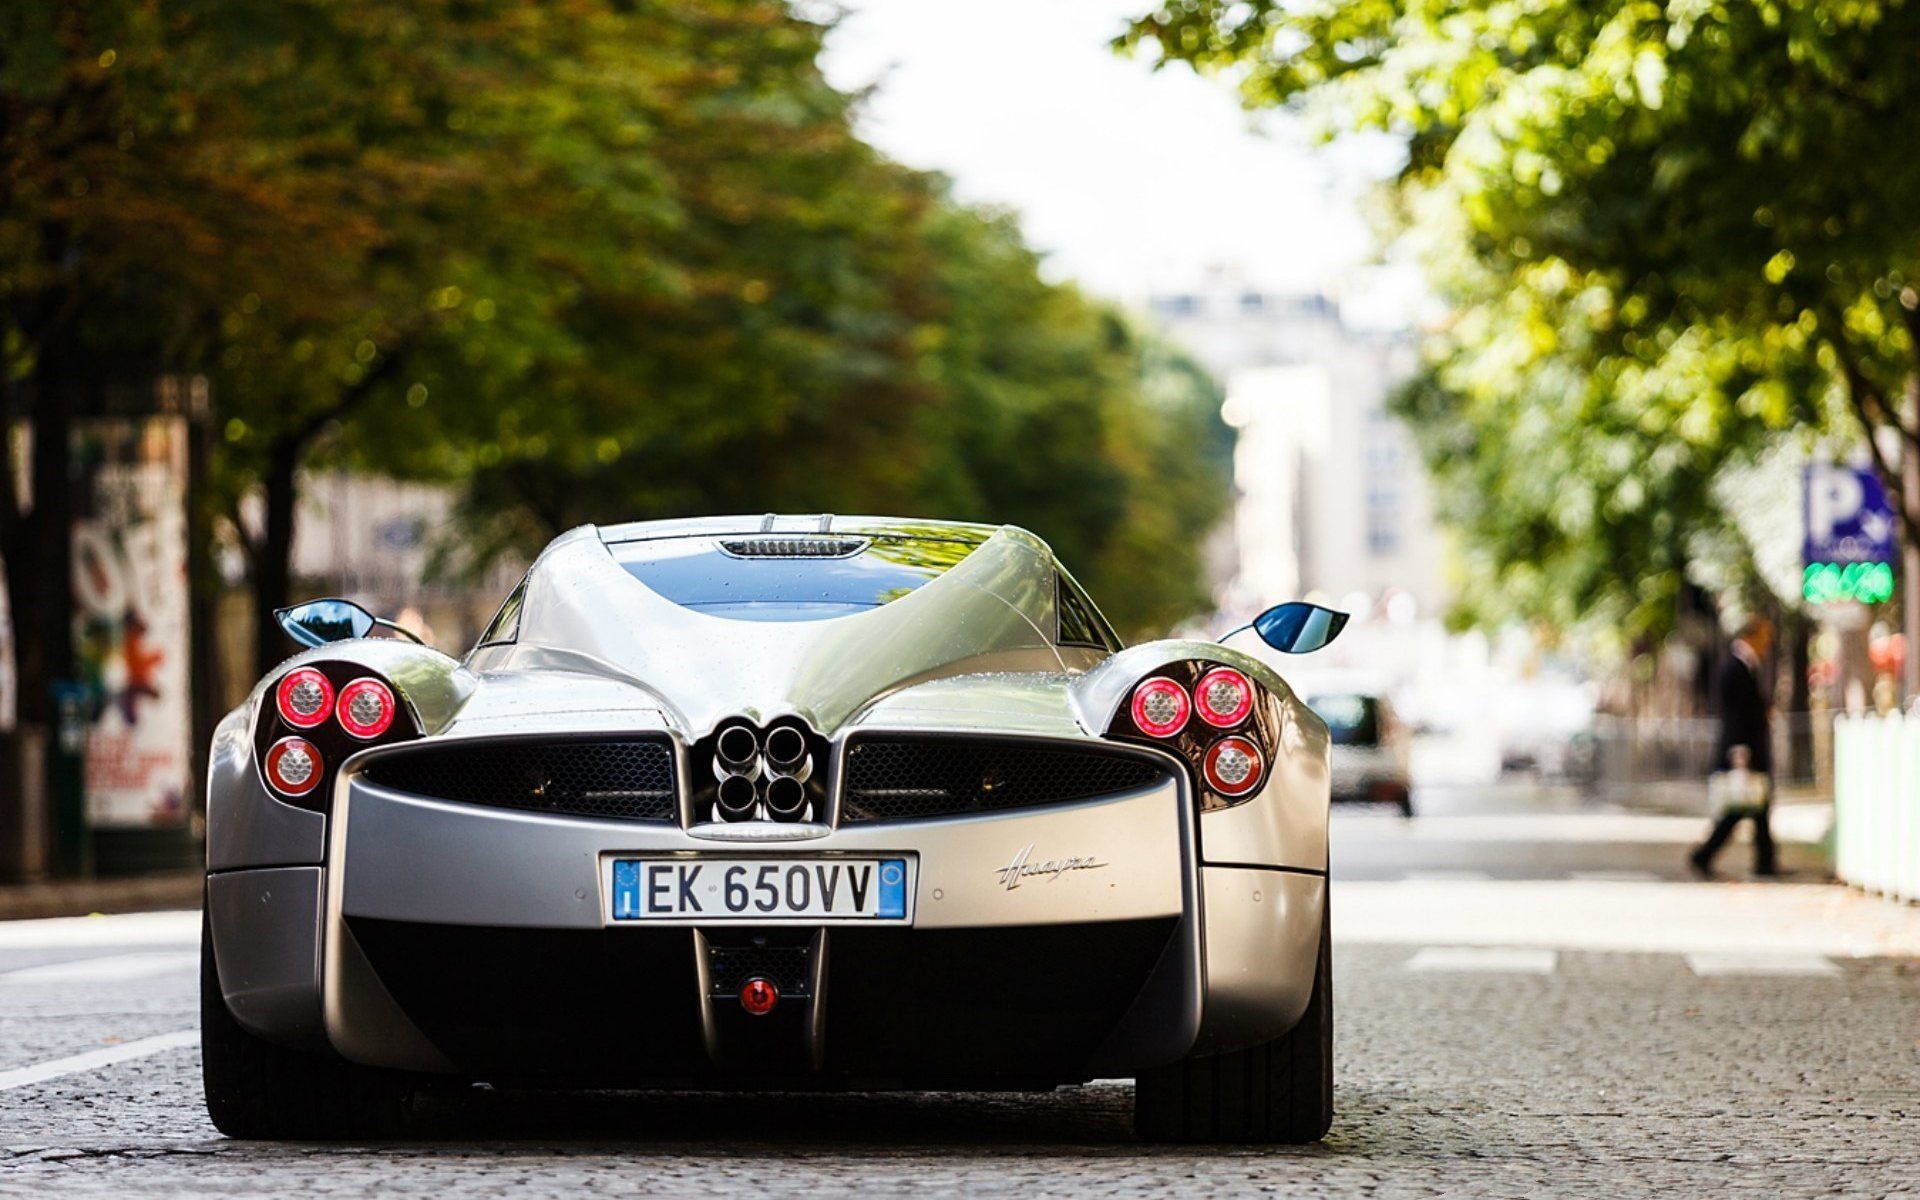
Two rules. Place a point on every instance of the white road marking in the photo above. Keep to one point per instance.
(126, 929)
(1614, 876)
(1761, 964)
(1446, 877)
(93, 1060)
(1504, 959)
(115, 969)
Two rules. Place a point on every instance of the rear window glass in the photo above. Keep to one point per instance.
(1351, 720)
(780, 578)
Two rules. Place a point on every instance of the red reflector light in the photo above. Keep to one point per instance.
(304, 698)
(366, 708)
(1161, 707)
(294, 766)
(1224, 697)
(758, 996)
(1233, 766)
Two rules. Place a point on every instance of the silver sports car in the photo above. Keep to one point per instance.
(780, 803)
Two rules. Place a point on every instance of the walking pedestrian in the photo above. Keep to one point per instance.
(1741, 787)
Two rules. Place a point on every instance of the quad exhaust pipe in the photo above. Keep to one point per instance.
(737, 751)
(737, 798)
(753, 773)
(786, 798)
(787, 753)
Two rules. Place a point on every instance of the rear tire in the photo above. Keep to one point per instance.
(1280, 1091)
(256, 1089)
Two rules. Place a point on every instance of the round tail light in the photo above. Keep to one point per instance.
(304, 698)
(294, 766)
(1233, 766)
(366, 708)
(1223, 697)
(1161, 707)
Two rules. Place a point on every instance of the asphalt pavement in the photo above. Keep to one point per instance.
(1533, 998)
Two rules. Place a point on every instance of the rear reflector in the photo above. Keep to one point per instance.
(304, 698)
(294, 766)
(1160, 707)
(366, 708)
(758, 996)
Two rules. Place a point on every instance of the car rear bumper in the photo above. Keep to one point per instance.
(475, 941)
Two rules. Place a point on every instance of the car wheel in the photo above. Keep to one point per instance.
(1279, 1091)
(1406, 805)
(256, 1089)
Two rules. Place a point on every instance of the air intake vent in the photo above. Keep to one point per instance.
(628, 780)
(892, 779)
(794, 547)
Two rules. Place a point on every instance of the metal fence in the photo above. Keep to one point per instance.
(1876, 804)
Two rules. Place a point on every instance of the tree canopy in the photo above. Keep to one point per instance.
(1668, 234)
(581, 261)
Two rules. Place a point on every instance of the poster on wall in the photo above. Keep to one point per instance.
(130, 618)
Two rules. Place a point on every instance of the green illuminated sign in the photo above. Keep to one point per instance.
(1830, 583)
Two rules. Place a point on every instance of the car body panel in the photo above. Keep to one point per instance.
(272, 984)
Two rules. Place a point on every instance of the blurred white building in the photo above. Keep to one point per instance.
(1331, 498)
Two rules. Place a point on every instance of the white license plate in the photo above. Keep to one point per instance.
(690, 891)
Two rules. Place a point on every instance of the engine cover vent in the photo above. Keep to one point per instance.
(794, 547)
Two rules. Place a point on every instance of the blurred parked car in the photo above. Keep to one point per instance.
(1371, 749)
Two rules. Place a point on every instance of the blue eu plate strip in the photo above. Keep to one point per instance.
(626, 891)
(893, 887)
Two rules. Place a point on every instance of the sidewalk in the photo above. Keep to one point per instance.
(79, 897)
(1623, 917)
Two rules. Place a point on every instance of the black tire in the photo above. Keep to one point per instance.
(256, 1089)
(1279, 1091)
(1406, 806)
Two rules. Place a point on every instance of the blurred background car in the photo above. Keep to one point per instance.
(1371, 748)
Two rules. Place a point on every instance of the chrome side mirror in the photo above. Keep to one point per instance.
(1297, 627)
(319, 622)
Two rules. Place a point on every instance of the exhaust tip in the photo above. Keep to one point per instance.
(736, 747)
(786, 747)
(736, 798)
(786, 798)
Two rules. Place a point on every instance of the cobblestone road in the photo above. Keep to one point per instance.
(1496, 1071)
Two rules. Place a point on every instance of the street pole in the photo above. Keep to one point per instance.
(1910, 546)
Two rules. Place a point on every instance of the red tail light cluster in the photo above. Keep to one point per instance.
(319, 714)
(304, 697)
(366, 708)
(1224, 697)
(1161, 708)
(1233, 766)
(294, 766)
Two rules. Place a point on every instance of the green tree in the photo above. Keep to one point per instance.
(584, 261)
(1668, 231)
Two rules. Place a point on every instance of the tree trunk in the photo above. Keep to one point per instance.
(39, 584)
(273, 564)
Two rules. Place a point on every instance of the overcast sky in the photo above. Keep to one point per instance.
(1130, 179)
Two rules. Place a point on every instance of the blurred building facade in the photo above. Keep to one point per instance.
(388, 545)
(1331, 499)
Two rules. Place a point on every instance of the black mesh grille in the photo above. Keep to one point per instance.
(896, 780)
(729, 968)
(622, 781)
